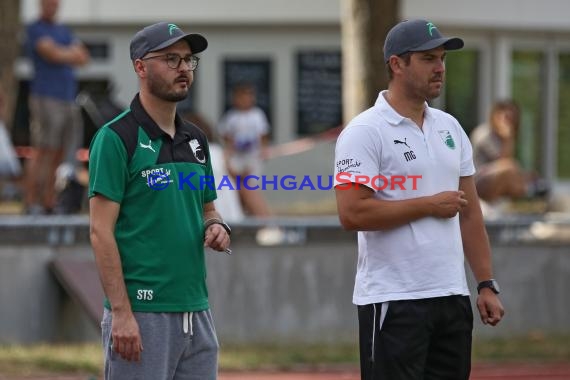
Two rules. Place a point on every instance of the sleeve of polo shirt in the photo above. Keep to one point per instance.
(108, 172)
(357, 156)
(467, 167)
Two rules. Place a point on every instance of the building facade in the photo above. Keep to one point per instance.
(291, 51)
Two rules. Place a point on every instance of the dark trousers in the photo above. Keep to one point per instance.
(425, 339)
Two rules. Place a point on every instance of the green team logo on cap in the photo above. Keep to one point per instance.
(431, 27)
(447, 139)
(171, 27)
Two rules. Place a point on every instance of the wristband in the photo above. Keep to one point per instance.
(219, 221)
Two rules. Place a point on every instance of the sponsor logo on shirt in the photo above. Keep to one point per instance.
(346, 164)
(157, 178)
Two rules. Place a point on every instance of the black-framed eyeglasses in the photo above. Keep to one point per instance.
(173, 60)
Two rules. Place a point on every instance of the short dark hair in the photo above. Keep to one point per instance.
(243, 87)
(407, 57)
(506, 105)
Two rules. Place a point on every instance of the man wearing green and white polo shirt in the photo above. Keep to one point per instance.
(151, 216)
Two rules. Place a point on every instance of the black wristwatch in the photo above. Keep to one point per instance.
(209, 222)
(491, 284)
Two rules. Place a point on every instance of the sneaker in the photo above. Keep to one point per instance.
(269, 236)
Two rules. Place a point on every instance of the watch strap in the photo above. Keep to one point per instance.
(209, 222)
(487, 284)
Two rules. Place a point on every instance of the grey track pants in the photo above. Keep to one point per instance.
(177, 346)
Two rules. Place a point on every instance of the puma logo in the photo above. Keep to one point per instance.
(148, 146)
(401, 142)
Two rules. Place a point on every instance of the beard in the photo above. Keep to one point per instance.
(424, 92)
(160, 88)
(420, 89)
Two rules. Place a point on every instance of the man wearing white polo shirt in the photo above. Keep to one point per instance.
(414, 312)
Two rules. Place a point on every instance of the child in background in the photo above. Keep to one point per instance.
(245, 128)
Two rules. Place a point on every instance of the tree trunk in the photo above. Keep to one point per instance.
(9, 46)
(365, 24)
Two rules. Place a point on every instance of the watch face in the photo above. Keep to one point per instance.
(496, 286)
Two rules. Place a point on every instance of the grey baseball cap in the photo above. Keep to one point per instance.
(163, 34)
(417, 35)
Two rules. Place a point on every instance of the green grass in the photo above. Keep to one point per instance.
(238, 358)
(44, 358)
(87, 359)
(535, 347)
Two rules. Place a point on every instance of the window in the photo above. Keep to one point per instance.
(99, 51)
(564, 117)
(462, 87)
(255, 72)
(319, 91)
(528, 81)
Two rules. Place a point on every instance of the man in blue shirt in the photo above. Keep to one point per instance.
(55, 119)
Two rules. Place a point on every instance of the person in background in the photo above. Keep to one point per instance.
(499, 175)
(151, 218)
(414, 312)
(10, 167)
(55, 119)
(244, 128)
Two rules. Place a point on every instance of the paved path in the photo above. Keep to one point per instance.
(480, 372)
(521, 372)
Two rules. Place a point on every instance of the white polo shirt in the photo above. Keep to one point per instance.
(423, 258)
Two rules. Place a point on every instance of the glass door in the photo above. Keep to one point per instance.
(462, 87)
(528, 90)
(563, 133)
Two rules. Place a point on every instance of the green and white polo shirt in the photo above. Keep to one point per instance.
(161, 184)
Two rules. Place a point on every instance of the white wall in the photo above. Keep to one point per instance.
(501, 14)
(193, 11)
(498, 14)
